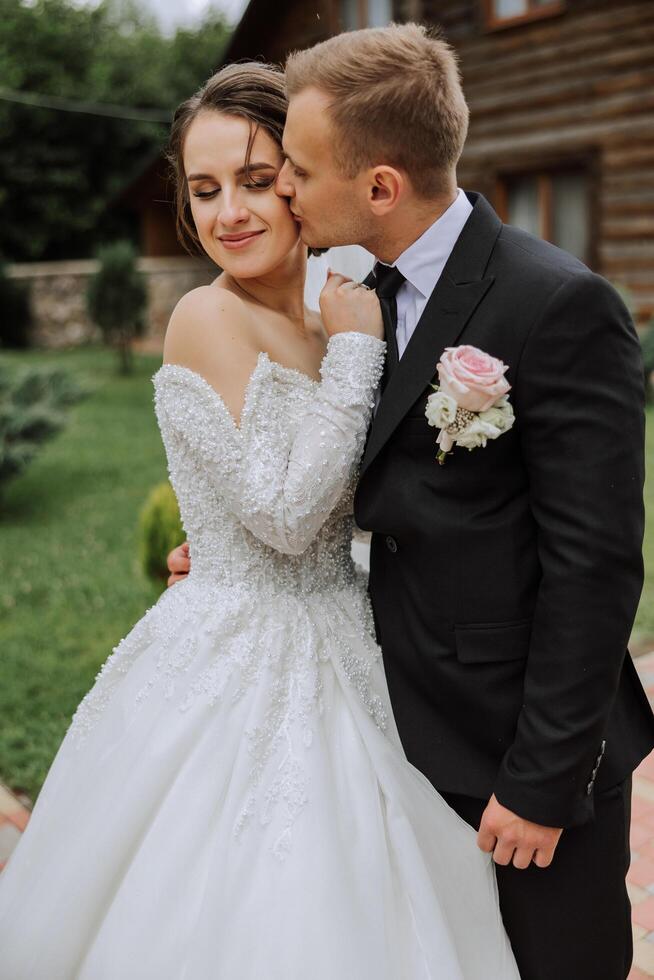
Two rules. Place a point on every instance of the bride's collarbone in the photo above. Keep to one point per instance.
(297, 350)
(294, 342)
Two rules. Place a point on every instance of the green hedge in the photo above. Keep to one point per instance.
(161, 530)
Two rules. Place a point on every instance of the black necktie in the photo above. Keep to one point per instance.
(388, 280)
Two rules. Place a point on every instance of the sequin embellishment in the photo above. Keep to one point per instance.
(273, 596)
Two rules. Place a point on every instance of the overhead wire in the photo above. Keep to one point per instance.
(61, 104)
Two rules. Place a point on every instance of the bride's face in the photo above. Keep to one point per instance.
(242, 224)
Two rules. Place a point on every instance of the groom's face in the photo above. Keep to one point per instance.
(330, 208)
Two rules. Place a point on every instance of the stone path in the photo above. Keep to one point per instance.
(640, 880)
(14, 815)
(13, 820)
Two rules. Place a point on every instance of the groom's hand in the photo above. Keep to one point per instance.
(179, 563)
(511, 839)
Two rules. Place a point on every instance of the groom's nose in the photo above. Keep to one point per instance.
(283, 185)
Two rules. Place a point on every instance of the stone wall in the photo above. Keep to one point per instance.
(58, 297)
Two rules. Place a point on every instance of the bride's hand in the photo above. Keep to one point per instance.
(346, 306)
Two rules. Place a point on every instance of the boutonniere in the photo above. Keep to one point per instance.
(471, 404)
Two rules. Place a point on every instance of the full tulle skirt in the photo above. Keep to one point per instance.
(232, 802)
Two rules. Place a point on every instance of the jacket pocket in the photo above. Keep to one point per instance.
(488, 642)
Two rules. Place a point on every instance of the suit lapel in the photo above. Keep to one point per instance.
(460, 289)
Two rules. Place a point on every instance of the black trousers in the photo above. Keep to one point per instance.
(571, 921)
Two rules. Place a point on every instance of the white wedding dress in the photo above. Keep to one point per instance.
(231, 800)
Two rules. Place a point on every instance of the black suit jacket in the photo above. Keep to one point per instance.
(505, 583)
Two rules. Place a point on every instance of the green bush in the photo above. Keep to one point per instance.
(117, 299)
(646, 338)
(15, 312)
(32, 410)
(160, 531)
(647, 346)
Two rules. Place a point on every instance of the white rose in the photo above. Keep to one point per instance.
(477, 434)
(501, 415)
(441, 410)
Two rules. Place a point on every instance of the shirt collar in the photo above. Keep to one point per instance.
(422, 263)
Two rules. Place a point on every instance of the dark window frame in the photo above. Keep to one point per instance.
(544, 168)
(362, 13)
(533, 13)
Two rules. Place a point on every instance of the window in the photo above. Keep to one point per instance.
(365, 13)
(554, 206)
(505, 13)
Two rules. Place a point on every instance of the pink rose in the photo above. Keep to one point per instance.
(474, 379)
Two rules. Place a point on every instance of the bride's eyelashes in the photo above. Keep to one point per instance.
(262, 184)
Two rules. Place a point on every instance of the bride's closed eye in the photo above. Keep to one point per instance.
(260, 184)
(257, 185)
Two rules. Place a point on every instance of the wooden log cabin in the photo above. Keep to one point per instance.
(561, 94)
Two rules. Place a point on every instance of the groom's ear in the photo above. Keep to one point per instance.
(386, 187)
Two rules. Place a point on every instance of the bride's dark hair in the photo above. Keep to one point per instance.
(251, 90)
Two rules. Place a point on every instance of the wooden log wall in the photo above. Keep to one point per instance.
(576, 86)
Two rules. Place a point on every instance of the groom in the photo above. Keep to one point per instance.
(504, 582)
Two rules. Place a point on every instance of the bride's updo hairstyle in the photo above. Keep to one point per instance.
(250, 90)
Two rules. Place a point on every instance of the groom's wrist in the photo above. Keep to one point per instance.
(547, 807)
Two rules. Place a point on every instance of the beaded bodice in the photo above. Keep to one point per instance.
(272, 597)
(266, 505)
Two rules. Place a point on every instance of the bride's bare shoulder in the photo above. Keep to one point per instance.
(211, 331)
(205, 320)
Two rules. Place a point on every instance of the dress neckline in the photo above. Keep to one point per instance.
(263, 358)
(262, 355)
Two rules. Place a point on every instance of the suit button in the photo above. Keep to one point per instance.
(391, 544)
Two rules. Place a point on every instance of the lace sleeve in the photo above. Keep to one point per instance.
(283, 493)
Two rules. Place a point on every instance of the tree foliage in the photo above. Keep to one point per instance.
(32, 409)
(60, 171)
(15, 311)
(117, 298)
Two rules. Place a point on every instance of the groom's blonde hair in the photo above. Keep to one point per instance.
(396, 99)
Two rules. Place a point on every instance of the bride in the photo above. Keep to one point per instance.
(231, 800)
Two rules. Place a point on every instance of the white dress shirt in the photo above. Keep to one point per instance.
(422, 264)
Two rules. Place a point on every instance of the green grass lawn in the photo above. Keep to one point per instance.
(70, 582)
